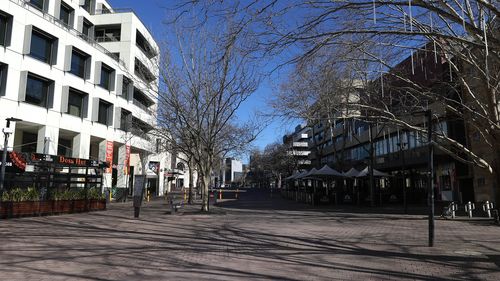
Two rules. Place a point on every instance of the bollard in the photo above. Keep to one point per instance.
(220, 194)
(469, 207)
(110, 195)
(236, 194)
(454, 208)
(487, 207)
(185, 196)
(148, 196)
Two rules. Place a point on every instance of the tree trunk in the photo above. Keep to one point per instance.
(190, 196)
(205, 198)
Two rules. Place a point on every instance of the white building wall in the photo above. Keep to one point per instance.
(50, 123)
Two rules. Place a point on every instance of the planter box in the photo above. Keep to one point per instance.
(40, 208)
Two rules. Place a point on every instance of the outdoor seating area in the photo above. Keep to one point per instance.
(329, 186)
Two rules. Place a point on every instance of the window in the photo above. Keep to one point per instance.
(106, 77)
(143, 72)
(75, 103)
(43, 47)
(79, 64)
(39, 4)
(104, 112)
(5, 29)
(141, 100)
(87, 29)
(88, 6)
(37, 90)
(108, 33)
(64, 147)
(29, 141)
(66, 14)
(144, 45)
(125, 120)
(126, 88)
(3, 78)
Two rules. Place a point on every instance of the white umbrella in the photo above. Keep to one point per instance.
(327, 171)
(351, 173)
(376, 173)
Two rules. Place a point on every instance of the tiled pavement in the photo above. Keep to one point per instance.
(253, 238)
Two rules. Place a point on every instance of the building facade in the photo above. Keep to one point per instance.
(351, 143)
(297, 144)
(83, 78)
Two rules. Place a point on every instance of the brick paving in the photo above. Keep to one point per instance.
(253, 238)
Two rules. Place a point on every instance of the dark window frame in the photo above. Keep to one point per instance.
(82, 73)
(5, 28)
(70, 14)
(46, 83)
(36, 5)
(4, 72)
(87, 28)
(103, 117)
(81, 96)
(50, 42)
(125, 119)
(108, 82)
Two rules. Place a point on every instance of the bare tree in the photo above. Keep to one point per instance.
(461, 37)
(206, 79)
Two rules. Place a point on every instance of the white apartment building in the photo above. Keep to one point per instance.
(83, 78)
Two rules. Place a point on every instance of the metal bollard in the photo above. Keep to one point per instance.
(220, 194)
(236, 194)
(487, 207)
(469, 207)
(453, 209)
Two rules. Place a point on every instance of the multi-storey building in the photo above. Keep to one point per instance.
(347, 143)
(297, 144)
(232, 171)
(83, 78)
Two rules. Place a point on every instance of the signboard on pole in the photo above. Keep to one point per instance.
(126, 164)
(109, 156)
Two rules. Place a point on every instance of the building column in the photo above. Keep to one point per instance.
(107, 177)
(81, 145)
(48, 138)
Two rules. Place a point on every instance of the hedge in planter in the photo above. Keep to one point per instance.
(19, 202)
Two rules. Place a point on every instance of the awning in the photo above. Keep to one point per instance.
(351, 173)
(376, 173)
(327, 171)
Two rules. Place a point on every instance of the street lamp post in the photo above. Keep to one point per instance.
(7, 131)
(428, 114)
(402, 147)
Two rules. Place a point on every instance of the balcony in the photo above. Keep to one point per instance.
(299, 144)
(108, 33)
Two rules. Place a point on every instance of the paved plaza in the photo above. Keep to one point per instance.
(253, 238)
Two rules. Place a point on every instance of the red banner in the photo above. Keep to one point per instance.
(126, 166)
(109, 156)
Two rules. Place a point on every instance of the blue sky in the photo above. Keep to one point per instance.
(153, 12)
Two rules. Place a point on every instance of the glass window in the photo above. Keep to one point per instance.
(37, 4)
(64, 147)
(4, 29)
(125, 88)
(65, 14)
(75, 103)
(78, 64)
(87, 28)
(29, 142)
(37, 90)
(106, 73)
(3, 78)
(41, 46)
(104, 107)
(88, 5)
(125, 120)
